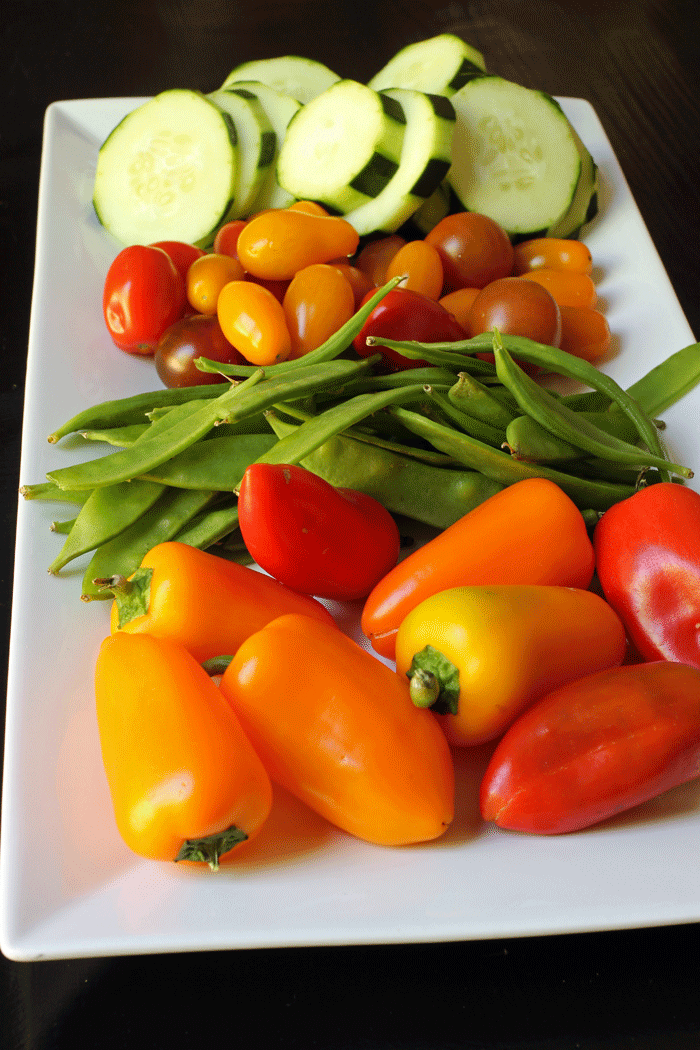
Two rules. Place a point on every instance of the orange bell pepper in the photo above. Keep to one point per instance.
(185, 781)
(336, 728)
(478, 656)
(529, 533)
(204, 602)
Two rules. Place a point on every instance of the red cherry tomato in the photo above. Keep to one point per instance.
(182, 254)
(402, 315)
(226, 240)
(143, 295)
(315, 538)
(517, 307)
(474, 250)
(198, 335)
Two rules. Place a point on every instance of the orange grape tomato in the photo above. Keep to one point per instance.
(474, 249)
(459, 303)
(318, 301)
(359, 281)
(517, 307)
(226, 240)
(207, 276)
(567, 287)
(253, 321)
(552, 253)
(422, 265)
(376, 255)
(277, 243)
(311, 207)
(585, 332)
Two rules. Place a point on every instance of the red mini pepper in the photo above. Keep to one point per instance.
(648, 562)
(312, 537)
(596, 747)
(402, 315)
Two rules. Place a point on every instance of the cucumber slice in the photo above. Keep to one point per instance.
(257, 144)
(279, 109)
(439, 65)
(343, 147)
(301, 78)
(432, 210)
(514, 157)
(584, 205)
(426, 155)
(167, 172)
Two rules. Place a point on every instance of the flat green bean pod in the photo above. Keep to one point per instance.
(215, 464)
(477, 428)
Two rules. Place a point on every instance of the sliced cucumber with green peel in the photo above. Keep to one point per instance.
(279, 109)
(584, 205)
(426, 155)
(439, 65)
(514, 155)
(301, 78)
(342, 148)
(432, 210)
(168, 171)
(257, 144)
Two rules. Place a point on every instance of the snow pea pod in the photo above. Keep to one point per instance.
(213, 464)
(527, 439)
(48, 491)
(472, 425)
(571, 426)
(504, 469)
(251, 396)
(482, 402)
(211, 525)
(119, 436)
(122, 555)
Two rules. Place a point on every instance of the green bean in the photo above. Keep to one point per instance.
(528, 440)
(668, 381)
(477, 400)
(504, 469)
(570, 426)
(244, 399)
(122, 555)
(211, 525)
(49, 491)
(432, 495)
(333, 346)
(106, 513)
(62, 527)
(471, 425)
(215, 464)
(121, 436)
(445, 355)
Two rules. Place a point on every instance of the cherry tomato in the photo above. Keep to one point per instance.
(403, 315)
(207, 276)
(278, 288)
(226, 240)
(359, 281)
(585, 332)
(459, 303)
(568, 287)
(311, 207)
(195, 336)
(474, 249)
(318, 301)
(277, 243)
(552, 253)
(517, 307)
(182, 254)
(422, 265)
(253, 321)
(376, 255)
(143, 295)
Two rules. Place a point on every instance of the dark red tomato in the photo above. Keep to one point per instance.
(226, 240)
(516, 307)
(474, 250)
(198, 335)
(143, 295)
(182, 254)
(402, 315)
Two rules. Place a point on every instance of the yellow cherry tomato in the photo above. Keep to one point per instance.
(277, 243)
(317, 302)
(478, 656)
(206, 277)
(253, 321)
(422, 265)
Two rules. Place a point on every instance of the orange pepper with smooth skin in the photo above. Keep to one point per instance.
(529, 533)
(184, 779)
(478, 656)
(336, 728)
(206, 603)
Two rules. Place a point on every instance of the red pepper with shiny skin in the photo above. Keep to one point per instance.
(648, 562)
(596, 747)
(406, 315)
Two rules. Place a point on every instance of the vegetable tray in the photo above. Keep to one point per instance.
(71, 888)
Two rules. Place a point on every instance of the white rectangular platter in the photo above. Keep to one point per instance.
(71, 888)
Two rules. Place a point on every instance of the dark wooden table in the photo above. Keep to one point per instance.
(637, 62)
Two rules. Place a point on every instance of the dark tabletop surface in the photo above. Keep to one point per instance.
(637, 62)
